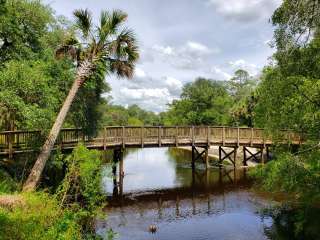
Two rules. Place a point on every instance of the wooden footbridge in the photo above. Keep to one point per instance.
(119, 138)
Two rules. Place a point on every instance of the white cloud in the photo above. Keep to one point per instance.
(220, 73)
(173, 83)
(142, 93)
(189, 56)
(245, 10)
(154, 99)
(253, 69)
(164, 50)
(198, 47)
(139, 73)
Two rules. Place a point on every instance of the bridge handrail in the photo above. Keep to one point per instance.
(13, 140)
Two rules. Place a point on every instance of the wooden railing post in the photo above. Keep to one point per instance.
(104, 138)
(208, 136)
(251, 138)
(238, 136)
(192, 135)
(223, 135)
(159, 136)
(176, 138)
(10, 144)
(123, 137)
(142, 137)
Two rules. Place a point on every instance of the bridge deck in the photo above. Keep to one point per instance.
(13, 142)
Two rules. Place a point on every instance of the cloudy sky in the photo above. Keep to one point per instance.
(183, 39)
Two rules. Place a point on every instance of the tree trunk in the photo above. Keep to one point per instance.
(34, 177)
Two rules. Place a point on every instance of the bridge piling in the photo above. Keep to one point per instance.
(118, 159)
(228, 155)
(196, 155)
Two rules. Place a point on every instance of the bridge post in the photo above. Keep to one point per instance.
(121, 174)
(142, 134)
(244, 161)
(207, 157)
(192, 135)
(262, 155)
(208, 136)
(176, 138)
(193, 157)
(223, 136)
(10, 144)
(159, 136)
(235, 157)
(104, 143)
(123, 137)
(118, 159)
(228, 156)
(238, 136)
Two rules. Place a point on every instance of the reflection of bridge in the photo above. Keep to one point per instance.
(202, 182)
(118, 138)
(200, 197)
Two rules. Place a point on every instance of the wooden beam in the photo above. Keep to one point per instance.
(228, 155)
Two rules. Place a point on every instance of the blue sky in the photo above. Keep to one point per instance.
(183, 39)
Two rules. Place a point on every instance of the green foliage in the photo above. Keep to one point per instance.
(30, 96)
(242, 89)
(38, 217)
(133, 115)
(202, 102)
(22, 25)
(7, 184)
(67, 215)
(33, 83)
(294, 79)
(81, 189)
(292, 174)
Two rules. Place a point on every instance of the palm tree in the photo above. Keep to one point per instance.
(106, 48)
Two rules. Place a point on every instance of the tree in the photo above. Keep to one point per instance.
(288, 96)
(97, 50)
(242, 87)
(202, 102)
(22, 25)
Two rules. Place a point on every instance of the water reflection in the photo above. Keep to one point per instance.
(159, 187)
(162, 169)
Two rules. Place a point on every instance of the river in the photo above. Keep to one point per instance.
(159, 188)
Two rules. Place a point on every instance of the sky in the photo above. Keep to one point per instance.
(181, 40)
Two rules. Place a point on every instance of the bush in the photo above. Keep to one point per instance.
(81, 189)
(38, 217)
(291, 174)
(67, 215)
(7, 184)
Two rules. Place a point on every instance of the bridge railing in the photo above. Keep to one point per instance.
(11, 141)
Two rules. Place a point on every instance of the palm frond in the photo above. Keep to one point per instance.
(122, 68)
(125, 46)
(83, 21)
(115, 19)
(109, 24)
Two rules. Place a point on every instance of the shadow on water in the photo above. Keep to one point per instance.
(160, 188)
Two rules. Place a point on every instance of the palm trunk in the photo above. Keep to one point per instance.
(35, 174)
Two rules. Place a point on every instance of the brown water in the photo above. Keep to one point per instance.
(160, 188)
